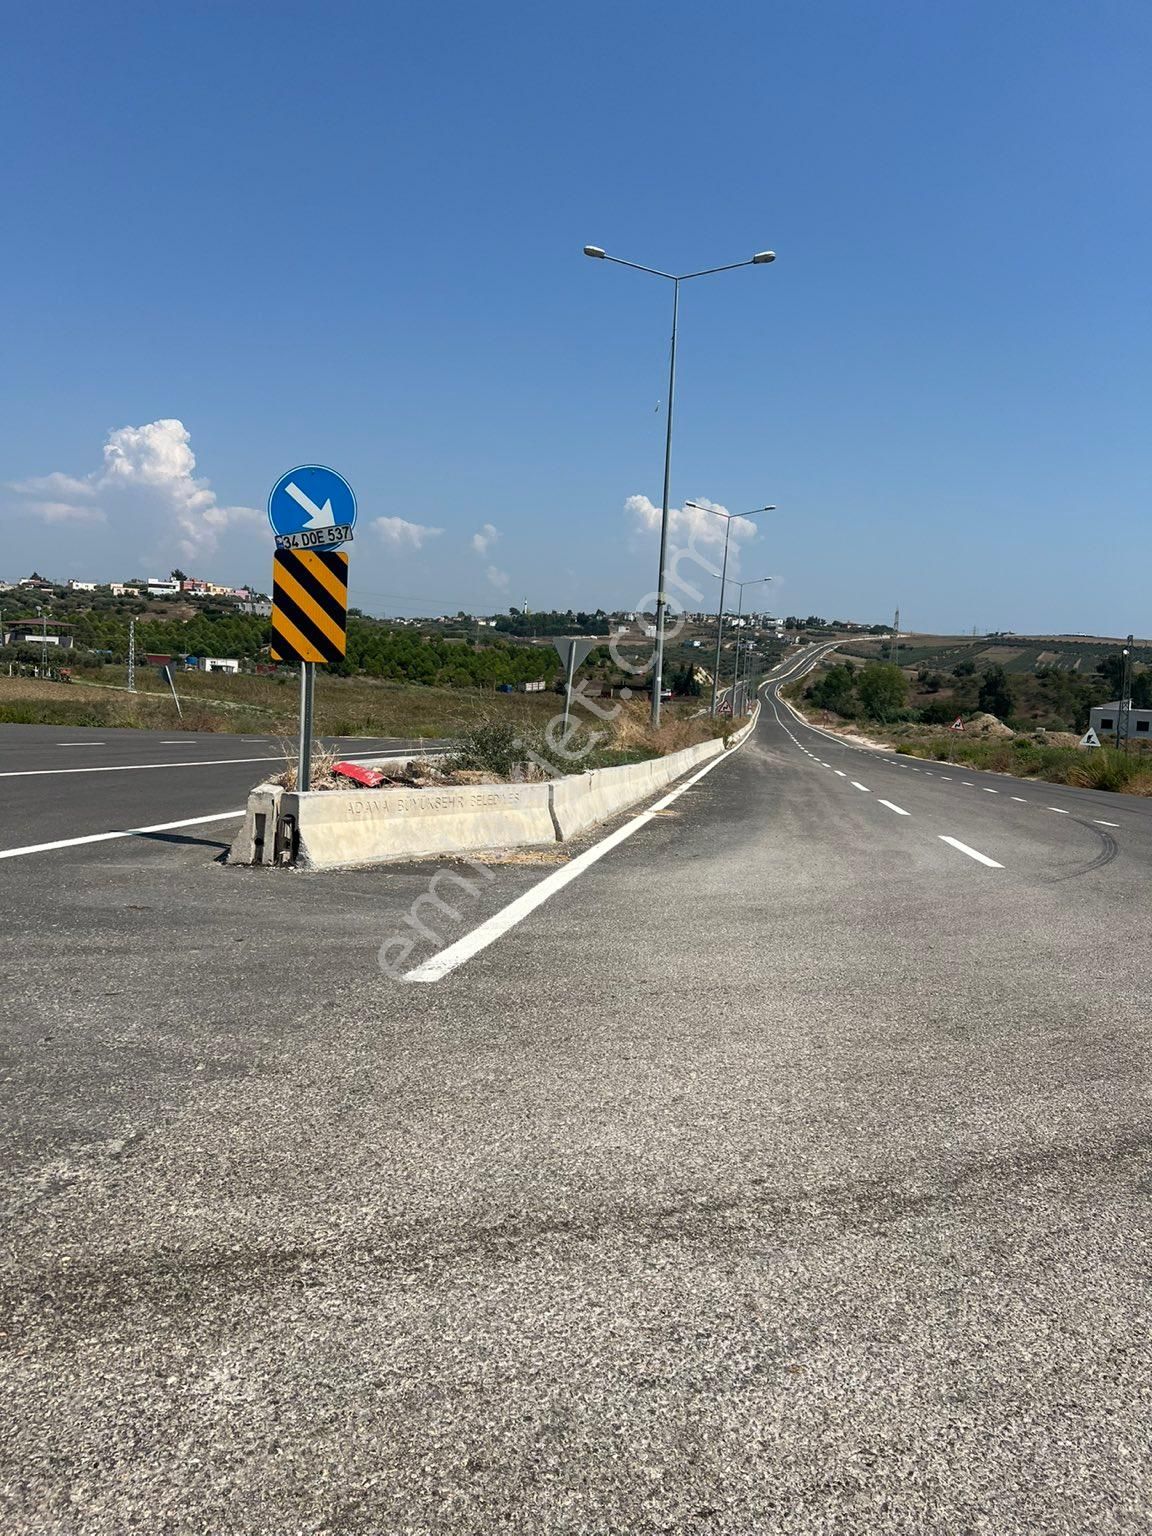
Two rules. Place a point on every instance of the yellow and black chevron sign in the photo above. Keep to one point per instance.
(309, 605)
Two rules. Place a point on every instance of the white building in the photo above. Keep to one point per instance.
(81, 586)
(218, 664)
(162, 588)
(1120, 722)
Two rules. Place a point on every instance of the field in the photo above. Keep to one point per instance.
(354, 706)
(345, 706)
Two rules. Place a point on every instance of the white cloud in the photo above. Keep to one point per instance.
(146, 484)
(483, 541)
(66, 512)
(689, 525)
(498, 578)
(398, 533)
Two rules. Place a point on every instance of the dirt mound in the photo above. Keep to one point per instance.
(987, 725)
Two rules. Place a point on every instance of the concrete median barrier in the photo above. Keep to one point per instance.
(333, 829)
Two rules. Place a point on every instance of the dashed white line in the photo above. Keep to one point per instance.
(839, 772)
(1057, 809)
(898, 809)
(863, 787)
(1020, 800)
(79, 743)
(981, 858)
(967, 783)
(947, 777)
(1100, 823)
(988, 791)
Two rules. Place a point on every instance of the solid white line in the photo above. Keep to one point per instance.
(1057, 809)
(895, 808)
(516, 911)
(1100, 823)
(107, 837)
(864, 787)
(981, 858)
(203, 762)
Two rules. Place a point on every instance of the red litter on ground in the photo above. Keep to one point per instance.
(372, 777)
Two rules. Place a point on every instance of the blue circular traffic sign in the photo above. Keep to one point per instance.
(311, 507)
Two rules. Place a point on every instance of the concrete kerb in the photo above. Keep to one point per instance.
(331, 830)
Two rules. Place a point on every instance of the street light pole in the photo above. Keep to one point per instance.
(760, 259)
(716, 512)
(751, 582)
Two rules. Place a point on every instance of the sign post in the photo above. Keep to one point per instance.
(312, 511)
(572, 652)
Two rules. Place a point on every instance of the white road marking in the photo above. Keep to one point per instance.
(839, 772)
(967, 783)
(864, 787)
(988, 791)
(1100, 823)
(1057, 809)
(208, 762)
(981, 858)
(516, 911)
(899, 811)
(80, 743)
(947, 777)
(107, 837)
(1020, 800)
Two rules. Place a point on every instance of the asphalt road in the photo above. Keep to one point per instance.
(58, 783)
(785, 1172)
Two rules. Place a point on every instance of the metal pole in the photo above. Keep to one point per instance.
(131, 655)
(569, 674)
(720, 620)
(172, 685)
(304, 769)
(43, 642)
(1125, 711)
(736, 667)
(658, 665)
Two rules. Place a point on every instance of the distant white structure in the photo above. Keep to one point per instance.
(81, 586)
(1120, 722)
(162, 587)
(217, 664)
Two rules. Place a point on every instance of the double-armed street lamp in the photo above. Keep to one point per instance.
(760, 259)
(729, 516)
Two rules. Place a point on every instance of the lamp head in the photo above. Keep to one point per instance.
(594, 250)
(762, 256)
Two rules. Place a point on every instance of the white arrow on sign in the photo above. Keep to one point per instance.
(318, 517)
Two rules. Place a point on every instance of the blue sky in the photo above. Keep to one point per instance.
(351, 234)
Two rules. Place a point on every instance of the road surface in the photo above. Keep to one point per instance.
(785, 1171)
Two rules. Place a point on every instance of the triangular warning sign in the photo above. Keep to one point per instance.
(957, 724)
(1089, 738)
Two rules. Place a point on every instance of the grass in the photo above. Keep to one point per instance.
(1099, 768)
(353, 706)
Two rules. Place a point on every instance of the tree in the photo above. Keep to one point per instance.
(882, 690)
(178, 575)
(964, 669)
(995, 694)
(835, 691)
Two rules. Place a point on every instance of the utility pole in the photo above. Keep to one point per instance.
(131, 655)
(1124, 712)
(895, 646)
(43, 642)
